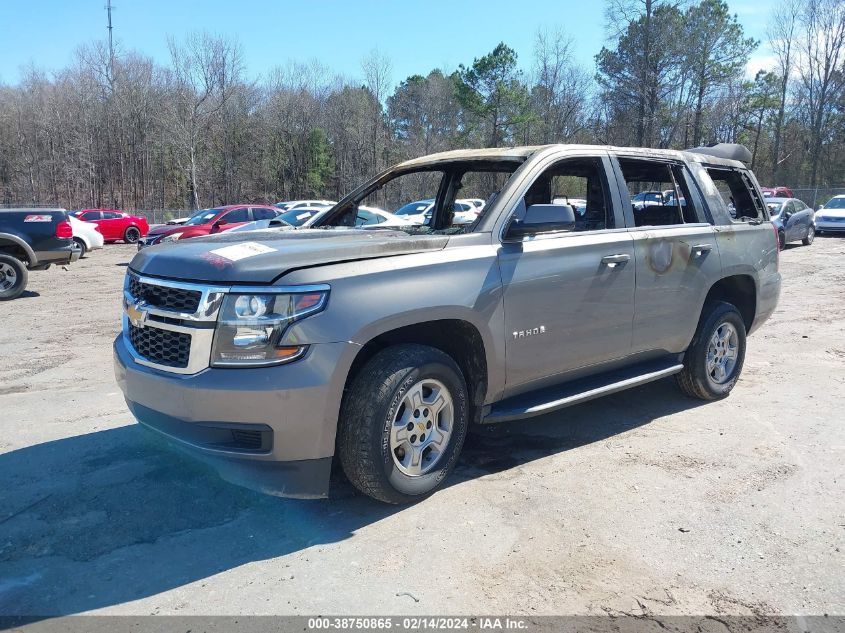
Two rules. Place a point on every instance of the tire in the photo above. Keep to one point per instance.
(811, 233)
(781, 240)
(82, 247)
(697, 378)
(13, 277)
(131, 235)
(374, 461)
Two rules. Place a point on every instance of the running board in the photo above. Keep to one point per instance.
(577, 391)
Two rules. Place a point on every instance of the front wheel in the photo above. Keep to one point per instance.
(13, 277)
(781, 240)
(811, 233)
(132, 235)
(403, 423)
(714, 359)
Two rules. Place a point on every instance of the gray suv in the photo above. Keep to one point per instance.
(269, 353)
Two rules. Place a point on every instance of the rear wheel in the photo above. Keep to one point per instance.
(13, 277)
(131, 235)
(82, 248)
(403, 423)
(811, 233)
(781, 240)
(714, 360)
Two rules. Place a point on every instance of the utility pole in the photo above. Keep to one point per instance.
(111, 44)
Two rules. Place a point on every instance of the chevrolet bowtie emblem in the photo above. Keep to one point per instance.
(136, 315)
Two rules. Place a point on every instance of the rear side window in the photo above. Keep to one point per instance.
(238, 215)
(263, 214)
(659, 193)
(738, 194)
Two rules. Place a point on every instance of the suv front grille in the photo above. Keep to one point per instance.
(164, 347)
(165, 297)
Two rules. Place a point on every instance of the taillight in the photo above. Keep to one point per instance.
(64, 230)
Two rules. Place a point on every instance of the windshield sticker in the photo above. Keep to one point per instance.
(236, 252)
(303, 216)
(38, 218)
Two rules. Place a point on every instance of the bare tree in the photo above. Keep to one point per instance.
(781, 35)
(822, 53)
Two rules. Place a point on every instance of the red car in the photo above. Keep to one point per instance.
(115, 225)
(777, 192)
(210, 221)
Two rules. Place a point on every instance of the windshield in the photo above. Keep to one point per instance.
(835, 203)
(413, 208)
(202, 217)
(414, 196)
(298, 217)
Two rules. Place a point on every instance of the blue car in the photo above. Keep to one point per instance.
(793, 219)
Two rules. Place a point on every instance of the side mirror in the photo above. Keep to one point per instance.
(542, 218)
(820, 207)
(216, 226)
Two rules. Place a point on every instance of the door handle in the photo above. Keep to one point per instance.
(700, 249)
(613, 260)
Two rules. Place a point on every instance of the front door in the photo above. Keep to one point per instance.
(568, 297)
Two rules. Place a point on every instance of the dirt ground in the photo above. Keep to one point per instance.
(644, 502)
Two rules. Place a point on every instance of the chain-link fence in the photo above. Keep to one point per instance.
(814, 196)
(161, 216)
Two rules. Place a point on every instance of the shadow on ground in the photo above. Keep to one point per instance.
(114, 516)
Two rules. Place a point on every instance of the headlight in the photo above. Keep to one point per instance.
(170, 238)
(251, 326)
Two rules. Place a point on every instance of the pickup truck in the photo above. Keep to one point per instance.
(270, 353)
(32, 239)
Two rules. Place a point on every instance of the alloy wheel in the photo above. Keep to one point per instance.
(422, 427)
(8, 277)
(722, 353)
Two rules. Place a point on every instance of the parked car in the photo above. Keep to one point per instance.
(268, 354)
(209, 221)
(478, 203)
(830, 217)
(419, 211)
(86, 235)
(777, 192)
(793, 220)
(115, 225)
(32, 239)
(304, 217)
(295, 204)
(646, 199)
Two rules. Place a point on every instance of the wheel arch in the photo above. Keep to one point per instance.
(16, 247)
(739, 290)
(457, 337)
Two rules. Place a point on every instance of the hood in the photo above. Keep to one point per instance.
(832, 212)
(264, 256)
(167, 229)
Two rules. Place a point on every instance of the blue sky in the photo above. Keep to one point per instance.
(416, 35)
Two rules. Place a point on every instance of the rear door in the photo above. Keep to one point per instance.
(676, 255)
(568, 297)
(112, 225)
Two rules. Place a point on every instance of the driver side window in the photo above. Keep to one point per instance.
(579, 183)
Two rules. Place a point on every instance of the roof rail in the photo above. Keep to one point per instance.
(731, 151)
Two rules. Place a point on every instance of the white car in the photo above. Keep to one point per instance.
(296, 204)
(86, 235)
(419, 211)
(304, 217)
(830, 218)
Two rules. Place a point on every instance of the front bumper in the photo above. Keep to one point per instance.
(271, 429)
(829, 226)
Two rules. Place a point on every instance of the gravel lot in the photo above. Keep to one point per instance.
(642, 502)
